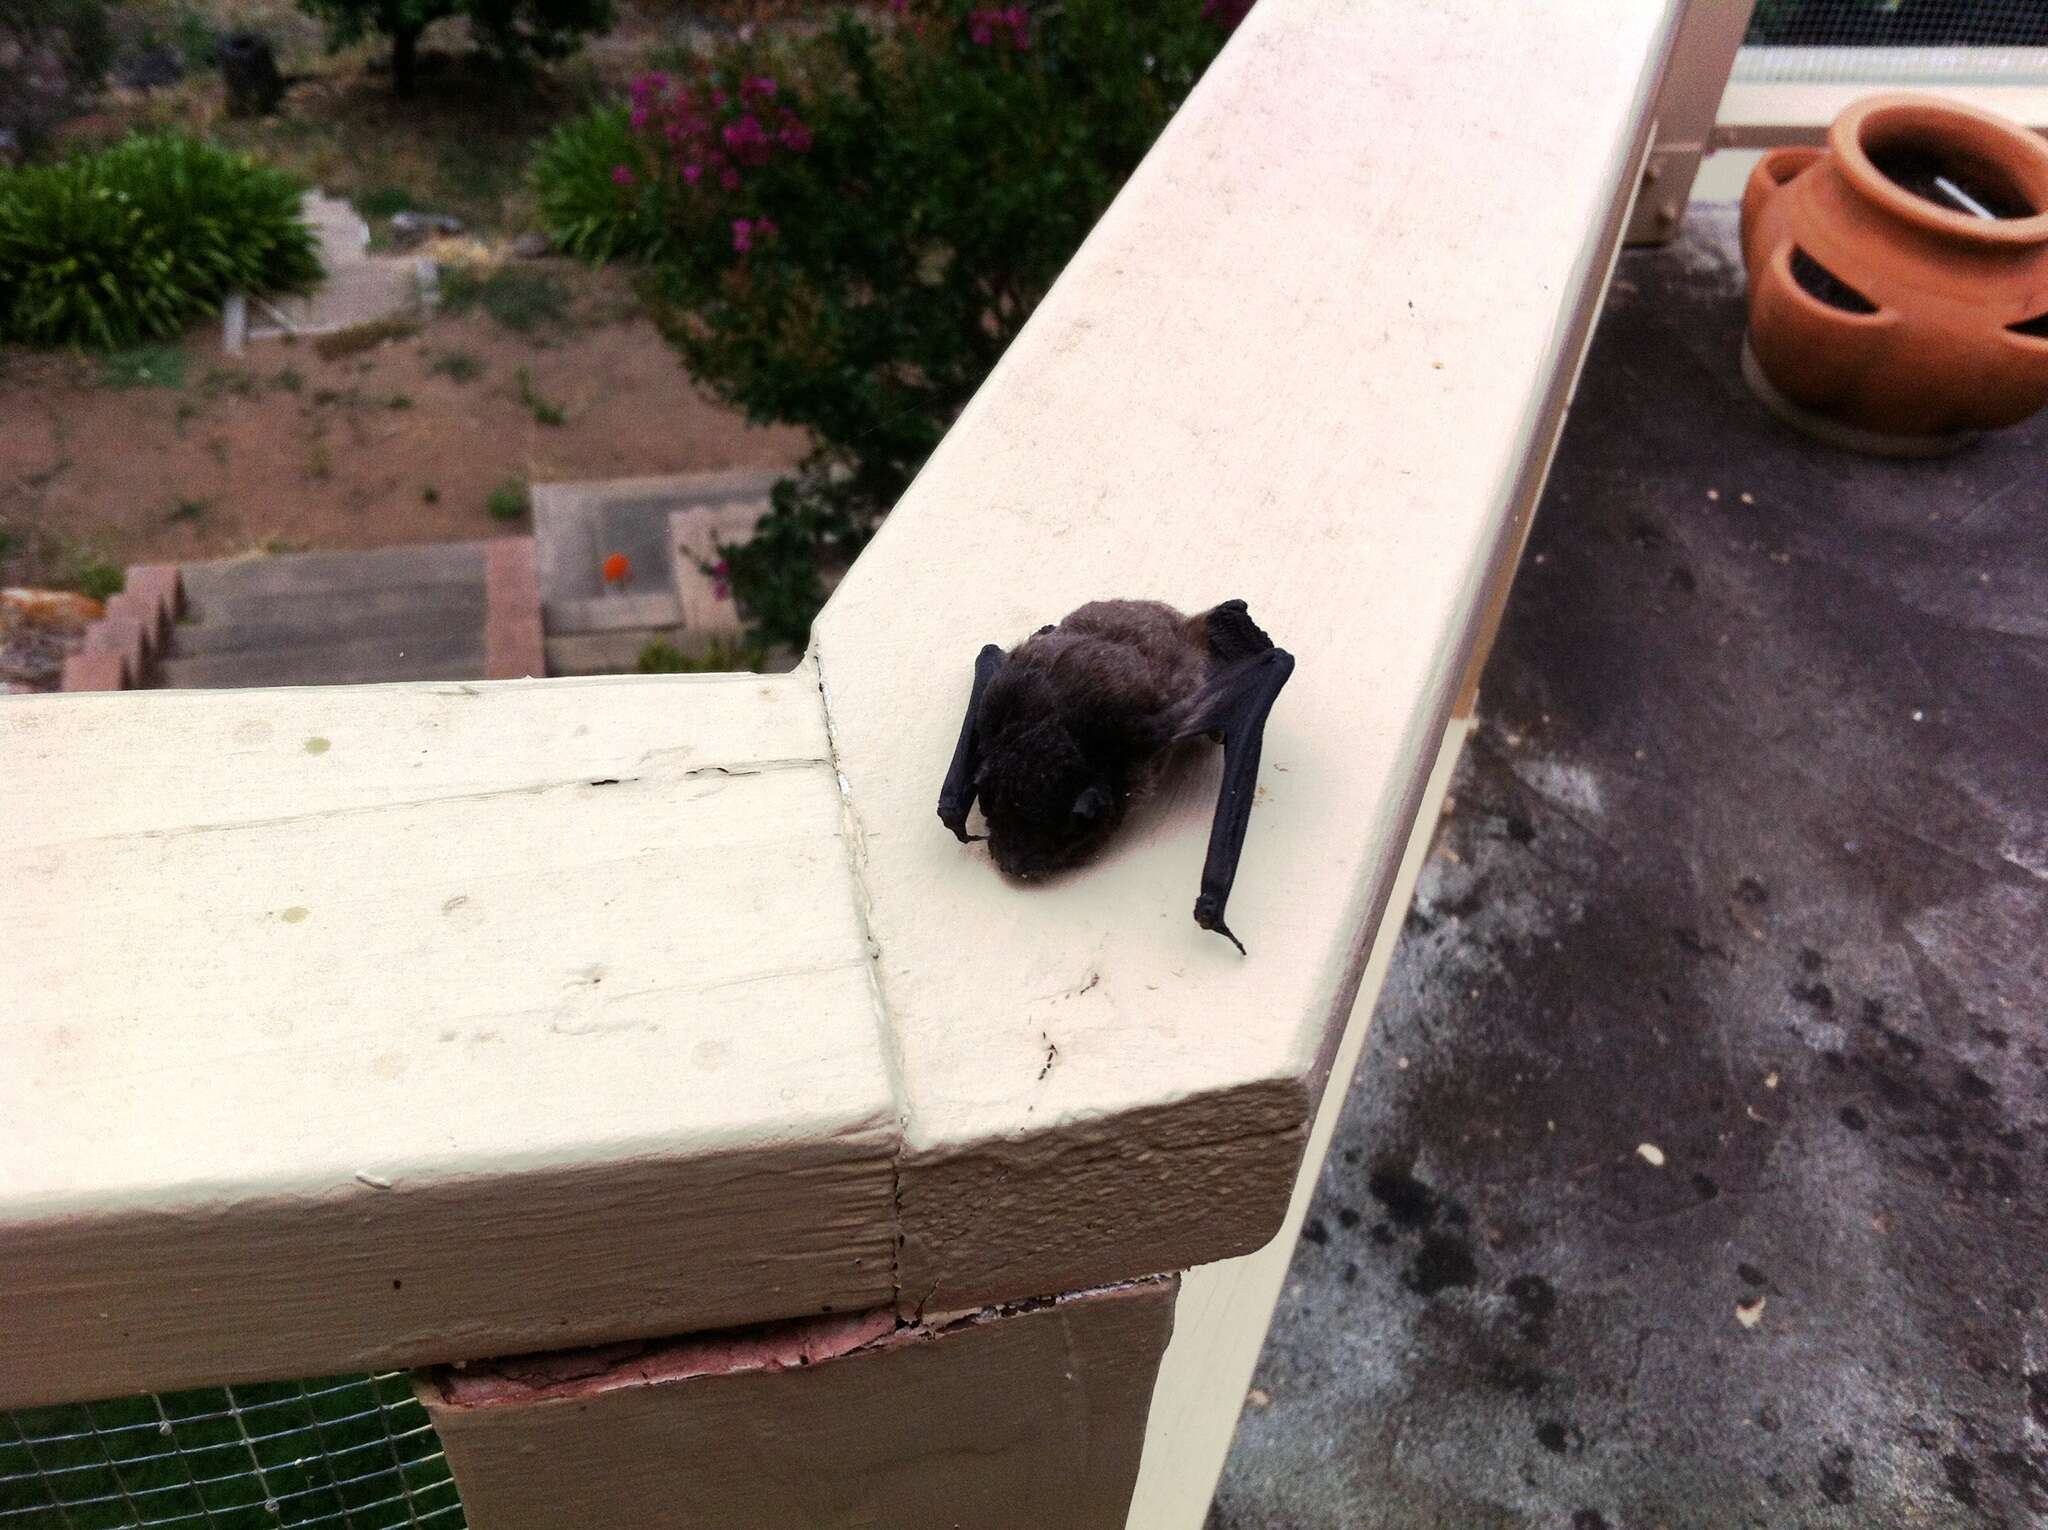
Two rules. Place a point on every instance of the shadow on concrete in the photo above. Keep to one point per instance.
(1693, 1176)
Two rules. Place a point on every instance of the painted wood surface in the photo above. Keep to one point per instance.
(355, 1026)
(1304, 360)
(1021, 1420)
(382, 1026)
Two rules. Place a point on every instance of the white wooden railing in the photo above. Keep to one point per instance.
(418, 1025)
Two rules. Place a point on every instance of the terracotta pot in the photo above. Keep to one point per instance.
(1880, 317)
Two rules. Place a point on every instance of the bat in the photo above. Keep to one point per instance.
(1066, 728)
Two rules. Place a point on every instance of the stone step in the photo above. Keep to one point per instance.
(233, 623)
(363, 661)
(325, 573)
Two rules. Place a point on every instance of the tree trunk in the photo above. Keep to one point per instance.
(405, 48)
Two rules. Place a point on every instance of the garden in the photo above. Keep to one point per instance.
(668, 239)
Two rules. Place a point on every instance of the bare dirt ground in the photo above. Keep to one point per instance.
(282, 449)
(182, 452)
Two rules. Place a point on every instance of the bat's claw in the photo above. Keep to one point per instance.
(954, 816)
(1209, 915)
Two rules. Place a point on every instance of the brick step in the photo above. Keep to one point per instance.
(229, 624)
(362, 661)
(325, 573)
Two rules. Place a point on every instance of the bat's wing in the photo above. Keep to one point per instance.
(1234, 704)
(956, 797)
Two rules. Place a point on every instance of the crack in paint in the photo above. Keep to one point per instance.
(855, 840)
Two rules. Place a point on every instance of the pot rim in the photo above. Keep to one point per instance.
(1935, 115)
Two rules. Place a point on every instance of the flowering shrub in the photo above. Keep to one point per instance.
(856, 223)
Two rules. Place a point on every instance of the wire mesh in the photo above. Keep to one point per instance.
(352, 1453)
(1897, 42)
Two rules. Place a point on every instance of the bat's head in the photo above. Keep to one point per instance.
(1046, 805)
(1045, 810)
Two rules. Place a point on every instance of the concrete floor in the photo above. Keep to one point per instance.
(1693, 1176)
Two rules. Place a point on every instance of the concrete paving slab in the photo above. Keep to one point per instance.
(359, 287)
(577, 526)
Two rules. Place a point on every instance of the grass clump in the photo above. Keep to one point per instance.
(367, 336)
(521, 298)
(133, 243)
(383, 201)
(543, 411)
(144, 366)
(721, 657)
(507, 502)
(90, 574)
(457, 366)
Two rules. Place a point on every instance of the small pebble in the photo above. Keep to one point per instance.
(1749, 1314)
(1713, 494)
(1651, 1154)
(1770, 1081)
(1259, 1397)
(1748, 498)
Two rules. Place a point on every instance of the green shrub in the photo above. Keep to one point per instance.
(589, 209)
(135, 242)
(858, 223)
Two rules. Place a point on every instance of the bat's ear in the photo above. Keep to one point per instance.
(1091, 803)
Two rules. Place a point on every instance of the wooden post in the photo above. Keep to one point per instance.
(1708, 38)
(1009, 1419)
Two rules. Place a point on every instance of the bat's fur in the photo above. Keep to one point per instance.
(1080, 718)
(1062, 731)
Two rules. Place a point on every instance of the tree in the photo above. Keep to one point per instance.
(507, 29)
(859, 220)
(53, 54)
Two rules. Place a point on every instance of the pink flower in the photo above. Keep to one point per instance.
(765, 228)
(1226, 14)
(721, 580)
(622, 176)
(692, 174)
(759, 88)
(638, 117)
(729, 178)
(742, 235)
(794, 135)
(1014, 23)
(747, 140)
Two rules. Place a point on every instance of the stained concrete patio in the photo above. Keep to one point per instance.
(1692, 1178)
